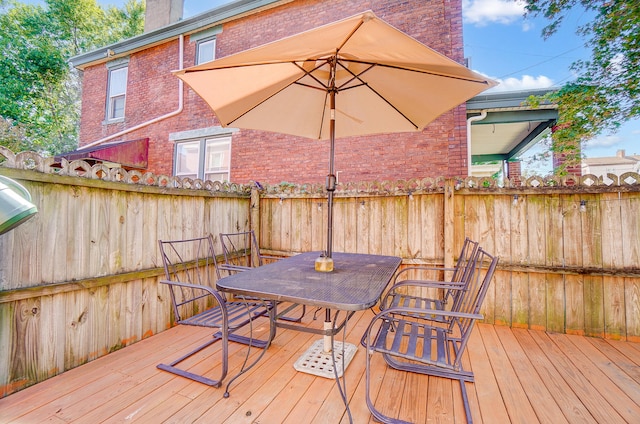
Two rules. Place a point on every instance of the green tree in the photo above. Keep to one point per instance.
(11, 134)
(606, 91)
(39, 91)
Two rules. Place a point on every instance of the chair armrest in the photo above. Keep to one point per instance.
(275, 258)
(452, 314)
(233, 268)
(392, 314)
(433, 284)
(422, 284)
(422, 268)
(209, 290)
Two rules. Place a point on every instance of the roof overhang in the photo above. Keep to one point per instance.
(202, 21)
(511, 126)
(132, 154)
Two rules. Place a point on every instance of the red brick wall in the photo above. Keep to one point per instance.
(514, 172)
(152, 91)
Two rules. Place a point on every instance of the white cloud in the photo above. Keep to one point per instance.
(527, 82)
(484, 12)
(604, 141)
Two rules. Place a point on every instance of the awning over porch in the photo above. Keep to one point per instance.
(131, 154)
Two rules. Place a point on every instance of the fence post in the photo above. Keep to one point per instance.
(449, 225)
(254, 223)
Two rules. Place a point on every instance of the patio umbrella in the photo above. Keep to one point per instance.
(353, 77)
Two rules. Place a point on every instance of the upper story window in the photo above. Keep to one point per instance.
(116, 89)
(207, 158)
(205, 44)
(205, 50)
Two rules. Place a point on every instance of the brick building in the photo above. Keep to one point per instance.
(130, 93)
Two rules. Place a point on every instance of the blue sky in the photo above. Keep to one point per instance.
(501, 44)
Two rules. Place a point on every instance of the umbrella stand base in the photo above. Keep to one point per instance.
(317, 362)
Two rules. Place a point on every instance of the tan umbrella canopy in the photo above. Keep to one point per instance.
(353, 77)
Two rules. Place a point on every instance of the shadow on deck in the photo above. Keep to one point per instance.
(521, 376)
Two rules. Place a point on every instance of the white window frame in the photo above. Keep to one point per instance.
(116, 68)
(211, 41)
(187, 166)
(203, 38)
(200, 166)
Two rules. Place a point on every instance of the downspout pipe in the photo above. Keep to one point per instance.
(483, 114)
(159, 118)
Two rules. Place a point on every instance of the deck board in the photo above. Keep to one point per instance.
(521, 376)
(538, 395)
(515, 399)
(592, 398)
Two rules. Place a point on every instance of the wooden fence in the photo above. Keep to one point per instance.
(569, 257)
(80, 279)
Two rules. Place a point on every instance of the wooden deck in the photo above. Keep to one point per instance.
(521, 376)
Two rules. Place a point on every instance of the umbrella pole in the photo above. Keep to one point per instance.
(331, 178)
(331, 186)
(325, 262)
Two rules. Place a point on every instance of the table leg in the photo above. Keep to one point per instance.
(328, 326)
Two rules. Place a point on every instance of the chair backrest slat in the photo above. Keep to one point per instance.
(484, 266)
(463, 264)
(241, 249)
(190, 261)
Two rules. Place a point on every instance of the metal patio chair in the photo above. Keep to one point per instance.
(412, 343)
(242, 252)
(191, 273)
(406, 293)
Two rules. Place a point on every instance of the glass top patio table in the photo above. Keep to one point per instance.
(356, 283)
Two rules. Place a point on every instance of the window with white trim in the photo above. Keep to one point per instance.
(206, 50)
(116, 92)
(207, 159)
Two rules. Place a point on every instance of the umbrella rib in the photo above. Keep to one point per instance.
(348, 37)
(254, 106)
(420, 71)
(364, 62)
(283, 88)
(364, 83)
(302, 84)
(323, 87)
(309, 74)
(387, 102)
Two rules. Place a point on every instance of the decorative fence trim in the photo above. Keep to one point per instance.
(32, 161)
(78, 168)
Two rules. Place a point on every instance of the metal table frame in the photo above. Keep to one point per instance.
(356, 283)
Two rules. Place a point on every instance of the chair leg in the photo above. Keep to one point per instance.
(377, 415)
(249, 341)
(255, 343)
(171, 367)
(465, 400)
